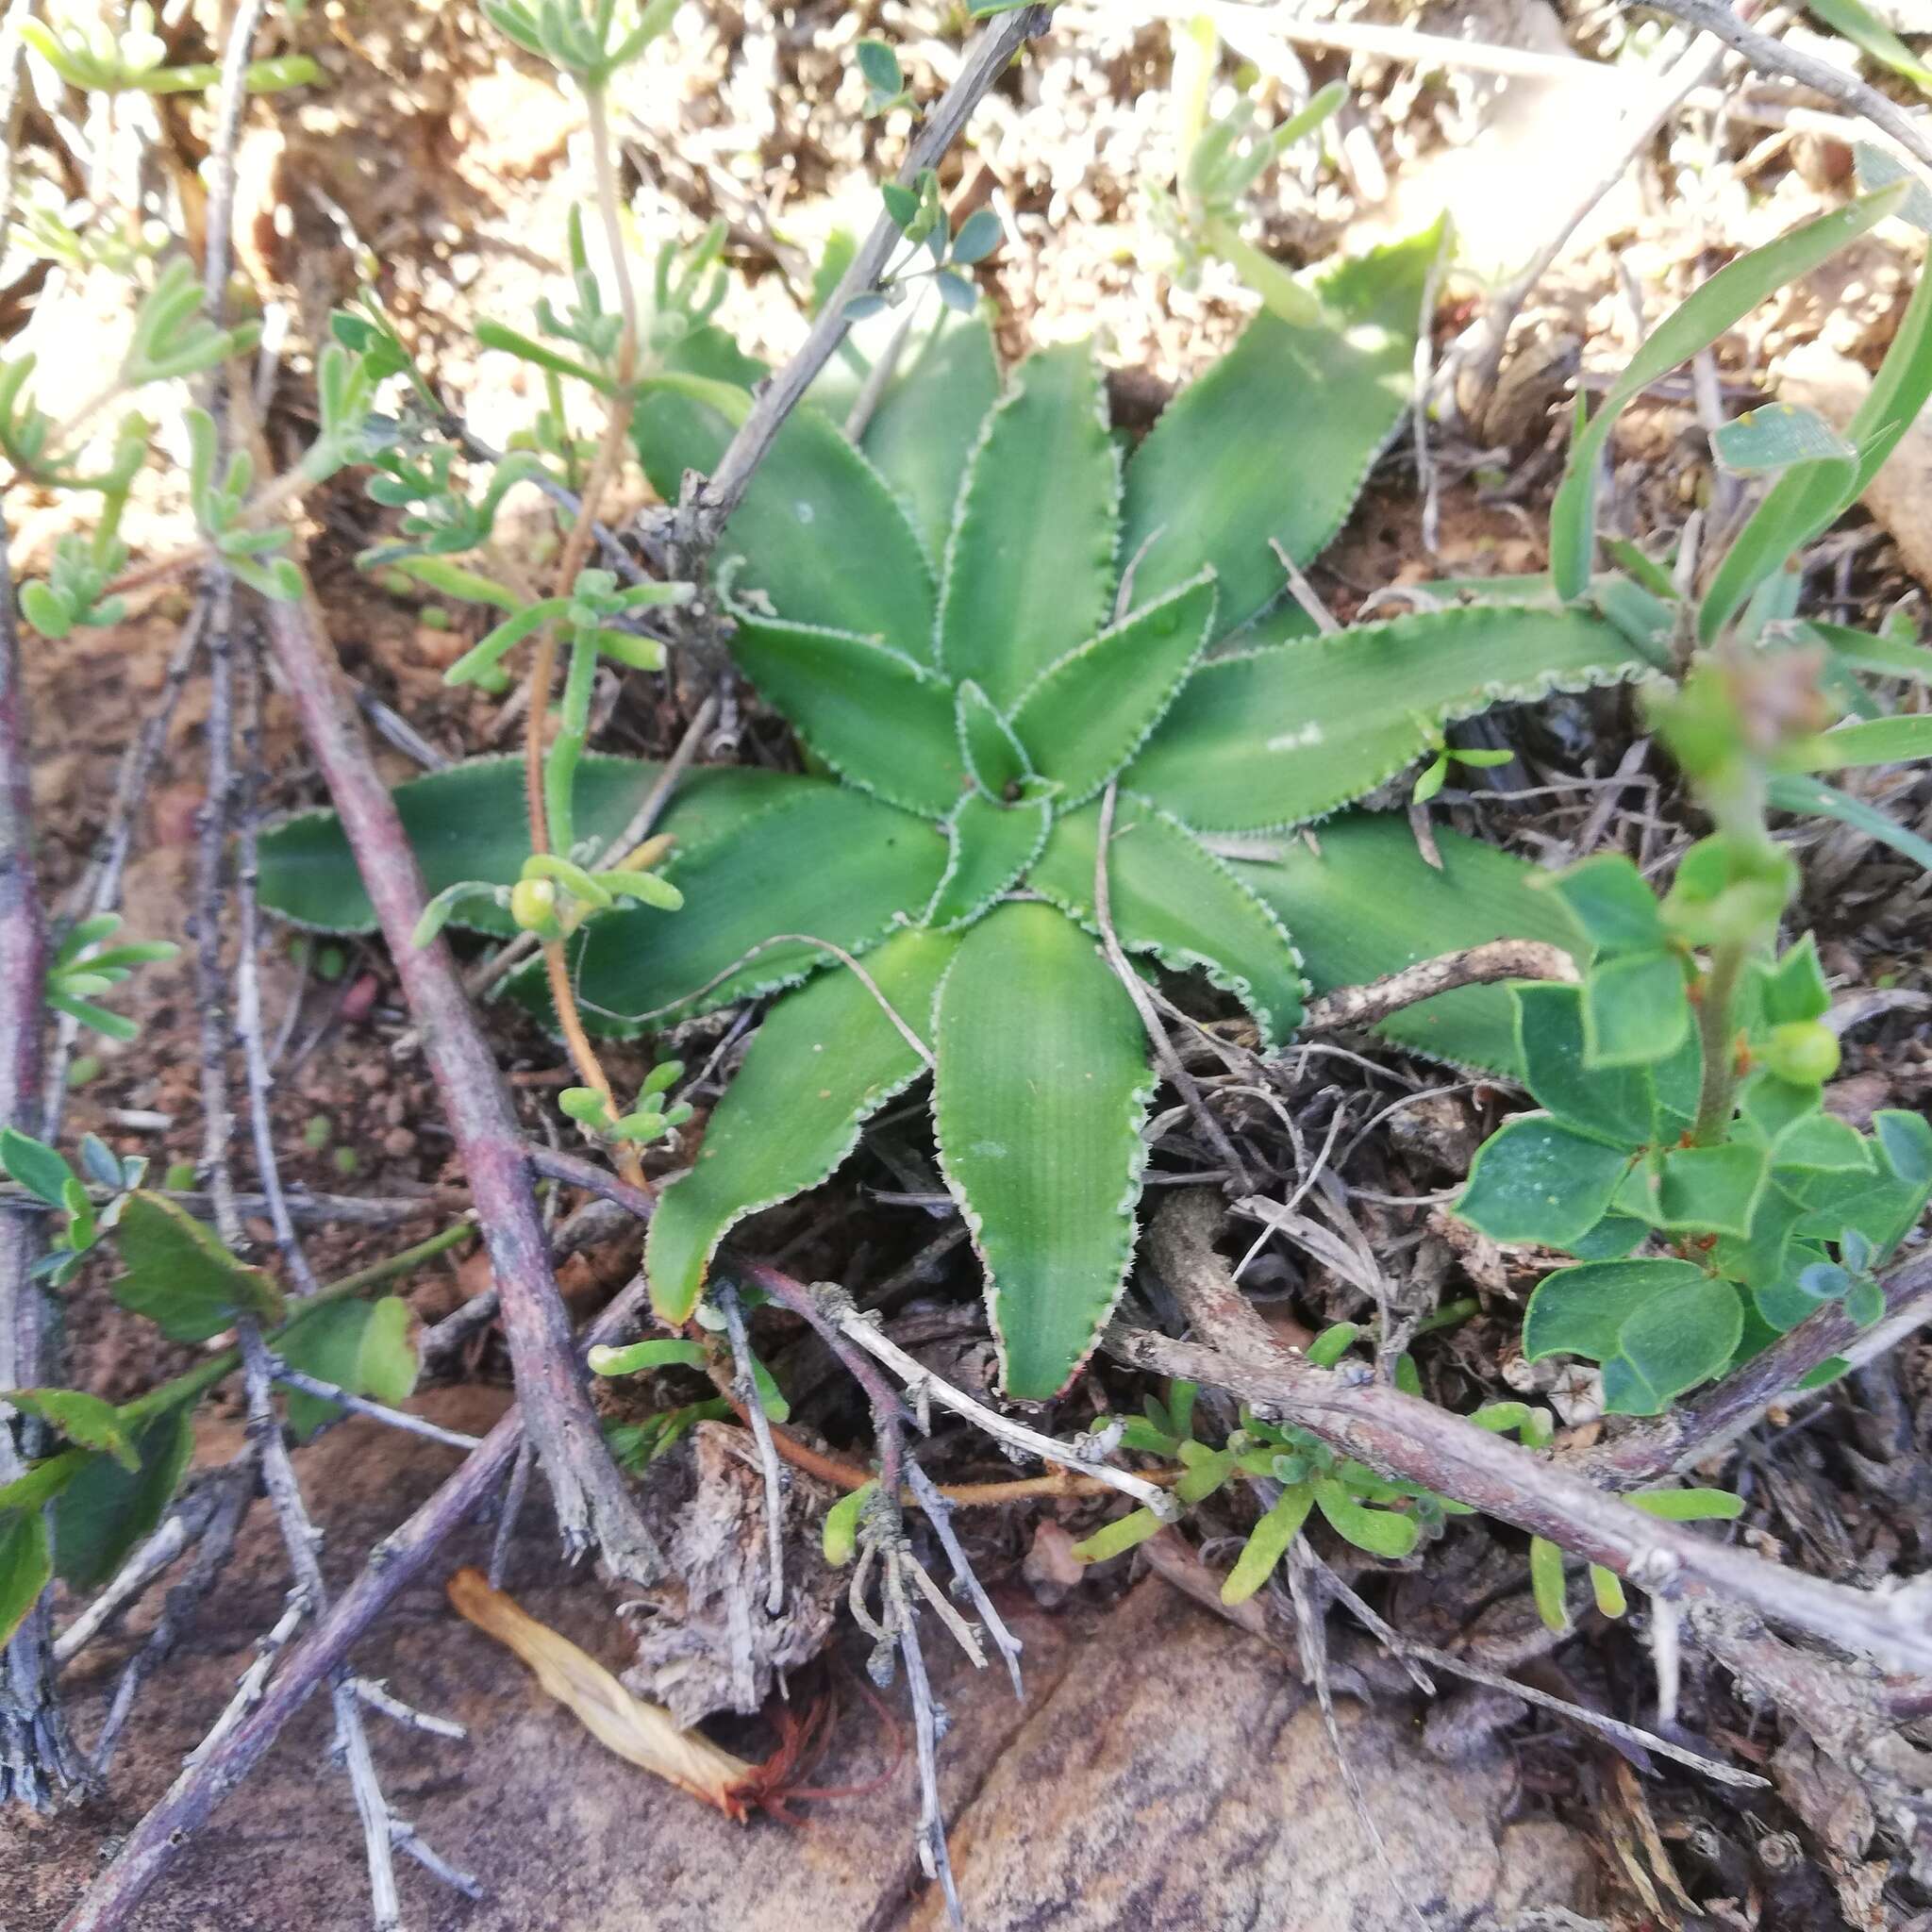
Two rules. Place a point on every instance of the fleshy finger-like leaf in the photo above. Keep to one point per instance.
(827, 864)
(1169, 897)
(1719, 305)
(1274, 442)
(1362, 901)
(1040, 1089)
(878, 717)
(1030, 560)
(827, 1058)
(1290, 733)
(1086, 715)
(466, 826)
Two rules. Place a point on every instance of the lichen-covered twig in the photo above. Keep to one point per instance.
(1364, 1006)
(222, 1761)
(592, 1500)
(1418, 1443)
(37, 1761)
(703, 516)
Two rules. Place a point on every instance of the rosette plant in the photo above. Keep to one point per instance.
(1050, 701)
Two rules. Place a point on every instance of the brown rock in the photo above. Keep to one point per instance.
(1165, 1771)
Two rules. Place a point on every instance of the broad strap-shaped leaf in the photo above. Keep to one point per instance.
(823, 533)
(1362, 901)
(996, 759)
(1030, 560)
(1084, 717)
(1807, 500)
(1869, 35)
(882, 721)
(1800, 792)
(1273, 443)
(1290, 734)
(1867, 742)
(827, 1058)
(468, 823)
(1169, 897)
(1719, 305)
(992, 846)
(1039, 1094)
(928, 422)
(826, 863)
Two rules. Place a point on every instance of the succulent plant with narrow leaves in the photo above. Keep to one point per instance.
(985, 628)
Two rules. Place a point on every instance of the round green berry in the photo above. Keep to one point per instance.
(1805, 1052)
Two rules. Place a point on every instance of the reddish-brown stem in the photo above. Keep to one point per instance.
(592, 1500)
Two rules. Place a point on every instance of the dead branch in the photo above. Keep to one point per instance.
(1418, 1443)
(702, 517)
(218, 1767)
(1776, 58)
(593, 1503)
(1484, 965)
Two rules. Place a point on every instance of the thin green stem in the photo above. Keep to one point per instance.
(1717, 1030)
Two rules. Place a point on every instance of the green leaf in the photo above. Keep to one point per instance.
(1612, 904)
(467, 825)
(1718, 306)
(26, 1566)
(1672, 1343)
(1380, 1532)
(1659, 1328)
(1710, 1189)
(1547, 1583)
(1211, 483)
(105, 1510)
(1169, 896)
(37, 1167)
(1280, 735)
(1635, 1009)
(640, 1356)
(1797, 791)
(1362, 901)
(1537, 1180)
(1268, 1543)
(1866, 742)
(1795, 988)
(1826, 1145)
(1869, 35)
(825, 863)
(1860, 650)
(1085, 716)
(1687, 1506)
(1040, 1089)
(826, 1059)
(362, 1347)
(85, 1420)
(992, 846)
(879, 65)
(1763, 443)
(181, 1277)
(928, 421)
(1116, 1538)
(882, 721)
(1030, 562)
(1616, 1104)
(1611, 1238)
(996, 759)
(824, 537)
